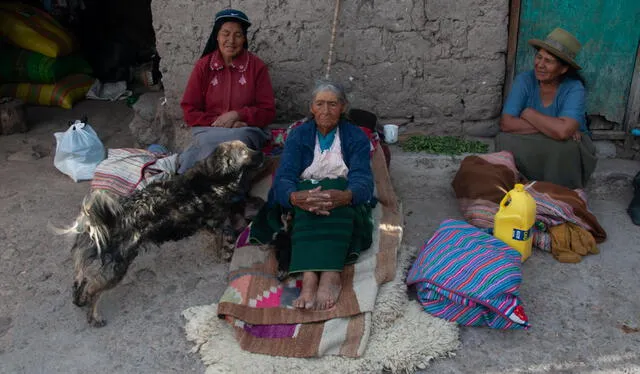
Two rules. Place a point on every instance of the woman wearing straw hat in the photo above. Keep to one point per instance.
(229, 94)
(543, 121)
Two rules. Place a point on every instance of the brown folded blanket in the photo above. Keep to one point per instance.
(258, 305)
(477, 187)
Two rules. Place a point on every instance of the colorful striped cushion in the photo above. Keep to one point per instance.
(465, 275)
(128, 169)
(63, 93)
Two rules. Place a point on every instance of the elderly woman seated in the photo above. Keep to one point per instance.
(543, 121)
(325, 180)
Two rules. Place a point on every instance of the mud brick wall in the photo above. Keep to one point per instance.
(442, 61)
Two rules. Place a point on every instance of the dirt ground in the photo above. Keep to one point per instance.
(585, 316)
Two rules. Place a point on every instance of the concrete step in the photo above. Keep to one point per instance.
(611, 174)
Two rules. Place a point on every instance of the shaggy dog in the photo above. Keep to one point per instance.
(111, 230)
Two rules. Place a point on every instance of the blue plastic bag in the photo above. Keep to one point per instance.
(78, 151)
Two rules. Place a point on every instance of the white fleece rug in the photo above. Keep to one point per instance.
(403, 339)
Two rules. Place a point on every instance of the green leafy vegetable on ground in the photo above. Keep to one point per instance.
(448, 145)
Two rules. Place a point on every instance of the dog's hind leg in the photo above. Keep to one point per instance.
(282, 243)
(93, 315)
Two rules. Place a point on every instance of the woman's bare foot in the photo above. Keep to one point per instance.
(307, 298)
(329, 289)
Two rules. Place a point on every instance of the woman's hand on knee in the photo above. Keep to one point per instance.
(238, 124)
(577, 136)
(227, 119)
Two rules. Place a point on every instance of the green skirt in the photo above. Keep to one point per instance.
(567, 163)
(320, 243)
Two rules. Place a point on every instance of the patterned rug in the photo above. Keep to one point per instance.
(403, 338)
(382, 331)
(259, 306)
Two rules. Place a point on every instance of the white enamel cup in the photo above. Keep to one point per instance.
(390, 133)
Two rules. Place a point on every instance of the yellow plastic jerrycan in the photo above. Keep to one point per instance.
(514, 221)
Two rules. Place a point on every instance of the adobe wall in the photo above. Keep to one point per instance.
(442, 61)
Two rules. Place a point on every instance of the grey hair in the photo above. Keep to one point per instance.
(336, 88)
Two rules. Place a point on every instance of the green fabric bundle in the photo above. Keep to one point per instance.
(23, 66)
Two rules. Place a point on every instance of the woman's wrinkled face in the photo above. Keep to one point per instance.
(547, 67)
(326, 109)
(230, 40)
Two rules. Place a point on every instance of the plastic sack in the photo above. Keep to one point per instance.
(31, 28)
(64, 93)
(78, 151)
(20, 65)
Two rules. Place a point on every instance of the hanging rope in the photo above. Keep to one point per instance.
(333, 38)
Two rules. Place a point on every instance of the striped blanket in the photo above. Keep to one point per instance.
(127, 169)
(258, 306)
(477, 187)
(465, 275)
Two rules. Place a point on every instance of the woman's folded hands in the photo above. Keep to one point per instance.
(320, 201)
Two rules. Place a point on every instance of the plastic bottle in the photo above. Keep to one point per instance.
(515, 219)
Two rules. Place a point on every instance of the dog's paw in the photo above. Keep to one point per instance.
(99, 323)
(96, 321)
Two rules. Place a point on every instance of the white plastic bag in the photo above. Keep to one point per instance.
(78, 151)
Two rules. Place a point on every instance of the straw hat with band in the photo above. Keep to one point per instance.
(220, 18)
(561, 44)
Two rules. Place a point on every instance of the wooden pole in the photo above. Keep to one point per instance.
(632, 115)
(512, 46)
(333, 38)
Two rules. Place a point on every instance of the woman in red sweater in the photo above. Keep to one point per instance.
(229, 94)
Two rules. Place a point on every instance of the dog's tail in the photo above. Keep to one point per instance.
(98, 213)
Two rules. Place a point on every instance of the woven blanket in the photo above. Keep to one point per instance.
(258, 306)
(477, 187)
(127, 169)
(404, 339)
(465, 275)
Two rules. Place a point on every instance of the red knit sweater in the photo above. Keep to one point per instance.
(243, 86)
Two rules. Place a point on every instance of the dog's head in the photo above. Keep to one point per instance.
(229, 160)
(94, 273)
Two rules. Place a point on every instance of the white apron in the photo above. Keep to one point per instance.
(327, 164)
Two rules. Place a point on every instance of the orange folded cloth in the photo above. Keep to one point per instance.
(570, 242)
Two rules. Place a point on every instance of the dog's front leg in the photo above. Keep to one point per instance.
(93, 316)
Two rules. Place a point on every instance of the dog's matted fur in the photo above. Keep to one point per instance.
(111, 230)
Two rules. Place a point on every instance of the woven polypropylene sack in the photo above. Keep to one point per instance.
(23, 66)
(64, 93)
(30, 28)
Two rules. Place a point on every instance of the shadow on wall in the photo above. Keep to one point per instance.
(117, 37)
